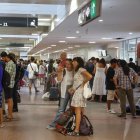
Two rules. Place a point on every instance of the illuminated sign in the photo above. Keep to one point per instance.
(89, 12)
(18, 22)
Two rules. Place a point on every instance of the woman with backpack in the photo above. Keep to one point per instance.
(66, 79)
(78, 101)
(124, 79)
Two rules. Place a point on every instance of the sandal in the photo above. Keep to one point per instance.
(73, 133)
(2, 125)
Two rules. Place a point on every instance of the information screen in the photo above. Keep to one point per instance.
(89, 12)
(18, 22)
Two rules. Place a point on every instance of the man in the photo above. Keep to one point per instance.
(110, 86)
(11, 69)
(132, 65)
(32, 68)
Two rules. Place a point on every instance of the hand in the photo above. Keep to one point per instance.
(71, 91)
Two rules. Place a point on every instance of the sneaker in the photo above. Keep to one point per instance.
(50, 127)
(2, 125)
(134, 116)
(112, 112)
(73, 133)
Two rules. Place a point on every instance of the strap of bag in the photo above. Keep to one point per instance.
(32, 67)
(87, 120)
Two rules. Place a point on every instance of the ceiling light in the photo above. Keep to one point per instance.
(100, 20)
(77, 32)
(130, 33)
(62, 41)
(70, 47)
(106, 38)
(0, 38)
(49, 47)
(65, 49)
(77, 46)
(44, 34)
(92, 42)
(71, 37)
(53, 45)
(43, 19)
(35, 34)
(31, 39)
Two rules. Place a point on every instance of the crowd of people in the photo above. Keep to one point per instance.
(114, 81)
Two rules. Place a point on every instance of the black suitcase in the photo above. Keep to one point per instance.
(54, 94)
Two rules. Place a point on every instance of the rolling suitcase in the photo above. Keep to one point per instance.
(54, 94)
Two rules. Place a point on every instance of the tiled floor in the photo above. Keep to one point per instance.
(34, 115)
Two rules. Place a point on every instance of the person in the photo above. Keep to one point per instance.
(41, 72)
(32, 68)
(2, 62)
(132, 65)
(90, 68)
(66, 79)
(99, 80)
(1, 89)
(110, 86)
(123, 79)
(81, 77)
(11, 69)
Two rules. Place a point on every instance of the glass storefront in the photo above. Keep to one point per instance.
(129, 49)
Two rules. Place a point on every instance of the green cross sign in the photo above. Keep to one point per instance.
(93, 8)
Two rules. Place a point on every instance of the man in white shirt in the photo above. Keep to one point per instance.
(32, 68)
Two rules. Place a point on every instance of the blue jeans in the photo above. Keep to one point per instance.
(63, 105)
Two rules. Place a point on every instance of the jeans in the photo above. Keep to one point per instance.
(63, 105)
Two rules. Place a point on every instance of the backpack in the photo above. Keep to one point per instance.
(86, 128)
(66, 122)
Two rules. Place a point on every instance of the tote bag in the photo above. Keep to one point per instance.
(87, 91)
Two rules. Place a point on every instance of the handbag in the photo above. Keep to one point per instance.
(87, 91)
(71, 92)
(35, 73)
(132, 84)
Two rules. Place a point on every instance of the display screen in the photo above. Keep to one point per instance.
(18, 22)
(89, 12)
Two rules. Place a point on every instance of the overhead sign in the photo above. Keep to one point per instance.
(89, 12)
(18, 22)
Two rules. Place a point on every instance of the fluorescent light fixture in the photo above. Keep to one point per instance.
(130, 33)
(77, 32)
(92, 42)
(0, 38)
(100, 20)
(65, 49)
(49, 47)
(62, 41)
(71, 37)
(31, 39)
(44, 19)
(35, 34)
(77, 46)
(70, 47)
(44, 34)
(53, 45)
(106, 38)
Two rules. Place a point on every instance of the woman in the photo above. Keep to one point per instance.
(78, 101)
(1, 111)
(123, 79)
(66, 79)
(41, 72)
(99, 87)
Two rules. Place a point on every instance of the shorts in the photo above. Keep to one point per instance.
(8, 93)
(32, 81)
(0, 100)
(110, 95)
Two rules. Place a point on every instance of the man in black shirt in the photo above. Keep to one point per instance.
(132, 65)
(110, 86)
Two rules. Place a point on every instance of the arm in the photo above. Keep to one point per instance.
(87, 76)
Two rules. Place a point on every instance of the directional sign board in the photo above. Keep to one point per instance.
(89, 12)
(18, 22)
